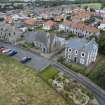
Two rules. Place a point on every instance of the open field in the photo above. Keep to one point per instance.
(20, 85)
(49, 73)
(92, 5)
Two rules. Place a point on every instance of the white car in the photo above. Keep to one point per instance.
(6, 51)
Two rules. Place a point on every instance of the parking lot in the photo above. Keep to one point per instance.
(37, 61)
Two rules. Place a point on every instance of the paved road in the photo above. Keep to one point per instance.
(98, 92)
(39, 62)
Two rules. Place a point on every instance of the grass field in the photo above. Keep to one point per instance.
(20, 85)
(49, 73)
(92, 5)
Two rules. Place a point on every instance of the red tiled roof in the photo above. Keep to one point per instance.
(50, 23)
(30, 21)
(84, 27)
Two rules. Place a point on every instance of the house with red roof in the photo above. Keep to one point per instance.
(49, 25)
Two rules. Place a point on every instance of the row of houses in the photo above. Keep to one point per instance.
(77, 50)
(80, 29)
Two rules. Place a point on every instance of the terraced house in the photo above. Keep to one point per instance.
(80, 29)
(81, 51)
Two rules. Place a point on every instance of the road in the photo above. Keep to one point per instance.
(39, 63)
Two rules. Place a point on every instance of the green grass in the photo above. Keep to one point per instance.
(77, 68)
(92, 5)
(49, 73)
(20, 85)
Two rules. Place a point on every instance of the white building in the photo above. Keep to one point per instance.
(81, 51)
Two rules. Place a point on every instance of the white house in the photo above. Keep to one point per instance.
(81, 51)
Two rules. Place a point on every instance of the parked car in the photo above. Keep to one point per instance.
(25, 59)
(12, 52)
(2, 49)
(6, 51)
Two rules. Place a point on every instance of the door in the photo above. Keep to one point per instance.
(75, 59)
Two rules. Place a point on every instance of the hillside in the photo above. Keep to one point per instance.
(19, 85)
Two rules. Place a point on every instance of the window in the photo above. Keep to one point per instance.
(76, 52)
(83, 54)
(9, 34)
(70, 49)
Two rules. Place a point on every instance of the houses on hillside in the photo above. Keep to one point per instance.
(34, 26)
(81, 51)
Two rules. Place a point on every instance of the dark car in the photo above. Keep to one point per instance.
(12, 53)
(25, 59)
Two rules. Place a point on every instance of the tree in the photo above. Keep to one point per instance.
(103, 5)
(101, 43)
(86, 7)
(98, 75)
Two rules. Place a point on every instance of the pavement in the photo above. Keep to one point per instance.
(39, 63)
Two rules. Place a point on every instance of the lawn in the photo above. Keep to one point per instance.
(49, 73)
(20, 85)
(92, 5)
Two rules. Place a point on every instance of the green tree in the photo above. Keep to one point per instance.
(98, 75)
(101, 43)
(103, 5)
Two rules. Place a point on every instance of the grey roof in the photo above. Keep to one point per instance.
(38, 36)
(76, 43)
(82, 44)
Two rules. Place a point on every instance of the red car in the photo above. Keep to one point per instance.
(1, 49)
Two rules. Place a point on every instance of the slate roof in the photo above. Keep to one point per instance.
(82, 44)
(39, 36)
